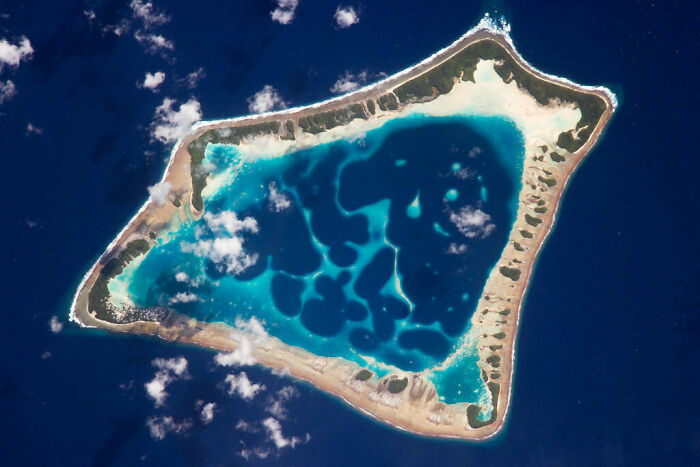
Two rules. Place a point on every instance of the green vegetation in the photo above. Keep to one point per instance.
(544, 148)
(500, 335)
(511, 273)
(388, 102)
(397, 385)
(495, 347)
(443, 77)
(370, 106)
(219, 136)
(550, 182)
(177, 203)
(540, 210)
(526, 234)
(474, 410)
(152, 235)
(556, 157)
(494, 360)
(518, 246)
(505, 312)
(495, 375)
(533, 221)
(323, 121)
(289, 125)
(99, 294)
(363, 375)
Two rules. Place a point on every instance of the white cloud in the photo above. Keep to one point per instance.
(278, 201)
(8, 90)
(89, 15)
(265, 100)
(170, 124)
(242, 425)
(346, 17)
(472, 223)
(182, 277)
(184, 297)
(193, 78)
(34, 130)
(284, 13)
(153, 43)
(457, 249)
(46, 355)
(475, 151)
(55, 325)
(116, 29)
(274, 433)
(226, 249)
(169, 370)
(206, 411)
(160, 191)
(349, 82)
(252, 334)
(275, 404)
(12, 54)
(241, 385)
(153, 80)
(144, 11)
(159, 427)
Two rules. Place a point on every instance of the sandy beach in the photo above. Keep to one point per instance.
(417, 408)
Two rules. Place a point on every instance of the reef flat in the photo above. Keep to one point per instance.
(480, 75)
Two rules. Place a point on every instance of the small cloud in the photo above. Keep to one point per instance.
(169, 124)
(241, 385)
(34, 130)
(251, 335)
(116, 29)
(206, 411)
(457, 249)
(13, 54)
(274, 433)
(153, 80)
(193, 78)
(46, 355)
(55, 325)
(159, 427)
(226, 249)
(169, 370)
(8, 90)
(265, 100)
(153, 43)
(184, 297)
(284, 13)
(89, 15)
(349, 82)
(275, 404)
(182, 277)
(278, 201)
(242, 425)
(473, 152)
(160, 191)
(346, 17)
(144, 11)
(472, 223)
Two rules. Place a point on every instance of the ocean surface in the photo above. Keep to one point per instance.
(607, 359)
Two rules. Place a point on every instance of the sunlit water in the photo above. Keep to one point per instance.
(377, 247)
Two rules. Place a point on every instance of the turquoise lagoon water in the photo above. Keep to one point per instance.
(359, 248)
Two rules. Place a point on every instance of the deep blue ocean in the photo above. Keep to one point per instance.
(607, 359)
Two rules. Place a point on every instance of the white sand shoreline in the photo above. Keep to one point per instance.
(413, 412)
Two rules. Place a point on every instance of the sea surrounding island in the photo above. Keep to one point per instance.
(377, 245)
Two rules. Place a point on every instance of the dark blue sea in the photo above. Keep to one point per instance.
(607, 359)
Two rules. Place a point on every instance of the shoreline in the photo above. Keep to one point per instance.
(224, 339)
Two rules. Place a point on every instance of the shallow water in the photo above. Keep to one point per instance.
(376, 247)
